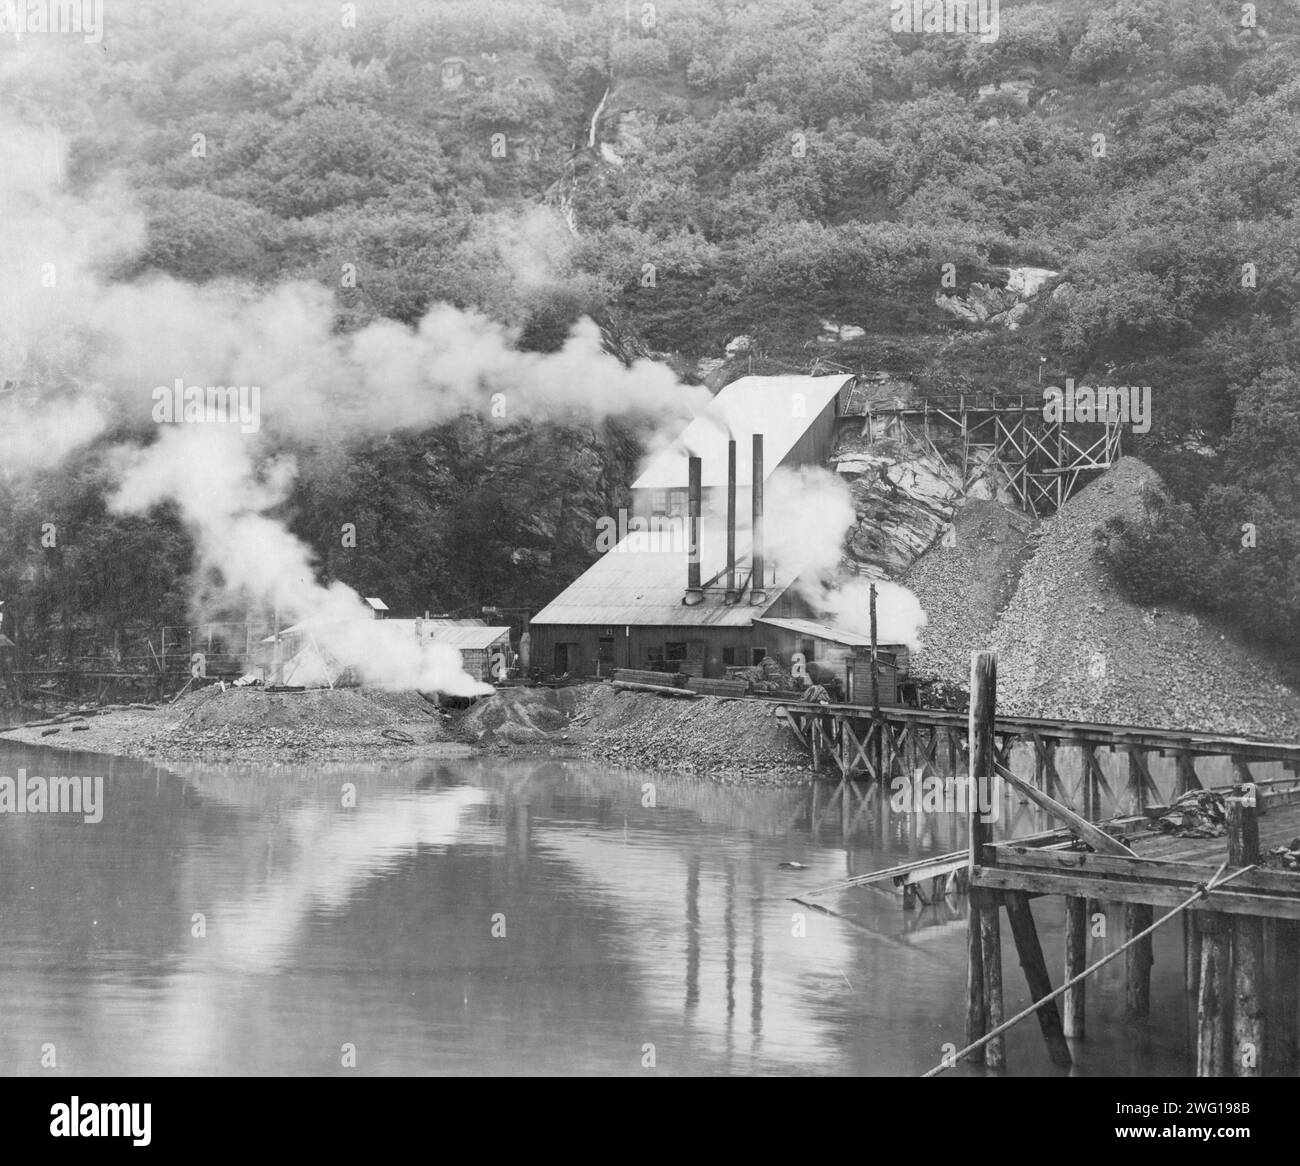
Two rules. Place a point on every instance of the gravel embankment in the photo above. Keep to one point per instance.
(963, 587)
(726, 740)
(250, 724)
(1070, 646)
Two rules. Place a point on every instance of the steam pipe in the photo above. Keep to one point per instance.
(756, 592)
(730, 596)
(694, 592)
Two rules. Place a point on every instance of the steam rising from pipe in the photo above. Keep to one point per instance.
(808, 513)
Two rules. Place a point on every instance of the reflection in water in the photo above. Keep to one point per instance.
(489, 917)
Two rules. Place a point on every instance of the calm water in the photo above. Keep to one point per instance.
(624, 926)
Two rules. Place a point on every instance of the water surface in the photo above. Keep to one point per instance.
(495, 917)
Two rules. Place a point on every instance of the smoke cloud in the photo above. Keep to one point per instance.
(806, 515)
(83, 357)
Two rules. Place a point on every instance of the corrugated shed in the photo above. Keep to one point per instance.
(632, 585)
(780, 408)
(813, 630)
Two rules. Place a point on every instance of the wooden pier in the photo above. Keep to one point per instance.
(1241, 916)
(1238, 907)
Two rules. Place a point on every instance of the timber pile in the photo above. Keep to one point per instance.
(657, 689)
(644, 676)
(717, 687)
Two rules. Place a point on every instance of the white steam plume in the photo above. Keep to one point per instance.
(81, 353)
(806, 515)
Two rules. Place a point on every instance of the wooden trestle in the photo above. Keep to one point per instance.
(1043, 460)
(846, 739)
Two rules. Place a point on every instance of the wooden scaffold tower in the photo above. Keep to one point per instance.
(1043, 460)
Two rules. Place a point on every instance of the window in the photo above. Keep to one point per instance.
(808, 648)
(757, 654)
(728, 657)
(658, 501)
(677, 502)
(674, 651)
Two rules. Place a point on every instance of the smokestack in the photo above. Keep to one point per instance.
(694, 592)
(756, 592)
(730, 596)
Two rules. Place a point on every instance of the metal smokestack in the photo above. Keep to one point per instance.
(756, 592)
(730, 596)
(694, 592)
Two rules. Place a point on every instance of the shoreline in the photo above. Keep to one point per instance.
(724, 743)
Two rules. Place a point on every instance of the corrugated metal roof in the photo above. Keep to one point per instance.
(780, 408)
(820, 631)
(465, 637)
(455, 633)
(635, 583)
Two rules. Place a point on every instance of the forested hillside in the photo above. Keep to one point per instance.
(687, 172)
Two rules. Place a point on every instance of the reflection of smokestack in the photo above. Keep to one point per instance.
(730, 596)
(694, 592)
(756, 592)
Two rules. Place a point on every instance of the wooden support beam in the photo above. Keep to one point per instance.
(1248, 1019)
(995, 1052)
(1096, 837)
(976, 1022)
(1284, 1040)
(1137, 961)
(1191, 955)
(1046, 776)
(1140, 782)
(1030, 951)
(1186, 770)
(983, 697)
(1214, 1003)
(983, 702)
(1076, 959)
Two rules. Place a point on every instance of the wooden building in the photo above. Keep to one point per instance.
(696, 594)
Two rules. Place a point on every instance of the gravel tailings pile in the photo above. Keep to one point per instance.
(518, 716)
(321, 722)
(727, 740)
(1070, 646)
(963, 587)
(252, 724)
